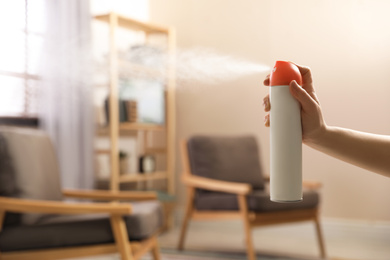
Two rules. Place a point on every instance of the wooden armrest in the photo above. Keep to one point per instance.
(59, 207)
(216, 185)
(313, 185)
(110, 195)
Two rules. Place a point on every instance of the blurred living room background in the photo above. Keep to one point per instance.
(56, 67)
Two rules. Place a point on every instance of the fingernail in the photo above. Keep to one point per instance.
(293, 82)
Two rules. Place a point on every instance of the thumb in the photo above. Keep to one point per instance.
(300, 94)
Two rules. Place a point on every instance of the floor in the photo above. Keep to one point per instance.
(344, 240)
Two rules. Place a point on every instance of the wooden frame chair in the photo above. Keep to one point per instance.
(250, 219)
(128, 250)
(36, 222)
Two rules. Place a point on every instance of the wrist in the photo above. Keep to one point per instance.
(318, 136)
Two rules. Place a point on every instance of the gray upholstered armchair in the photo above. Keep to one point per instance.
(36, 223)
(224, 179)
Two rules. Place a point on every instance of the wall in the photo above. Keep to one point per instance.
(346, 45)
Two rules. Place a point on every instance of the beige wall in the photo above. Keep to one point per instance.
(347, 45)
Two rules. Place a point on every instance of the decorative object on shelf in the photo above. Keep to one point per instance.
(122, 110)
(123, 162)
(147, 163)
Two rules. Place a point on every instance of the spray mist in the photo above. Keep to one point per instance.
(286, 135)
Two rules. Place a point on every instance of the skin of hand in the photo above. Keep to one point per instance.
(313, 122)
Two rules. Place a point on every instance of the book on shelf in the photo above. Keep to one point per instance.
(127, 111)
(122, 110)
(131, 111)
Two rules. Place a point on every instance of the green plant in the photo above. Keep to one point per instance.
(122, 154)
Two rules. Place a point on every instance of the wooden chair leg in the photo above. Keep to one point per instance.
(121, 237)
(156, 251)
(248, 232)
(2, 217)
(320, 237)
(187, 216)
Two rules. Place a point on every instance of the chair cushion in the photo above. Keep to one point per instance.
(35, 164)
(258, 201)
(78, 230)
(234, 159)
(7, 172)
(7, 181)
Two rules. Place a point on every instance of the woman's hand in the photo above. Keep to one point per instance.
(313, 123)
(369, 151)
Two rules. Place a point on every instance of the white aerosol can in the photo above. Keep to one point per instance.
(286, 135)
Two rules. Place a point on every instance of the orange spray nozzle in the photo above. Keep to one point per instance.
(283, 73)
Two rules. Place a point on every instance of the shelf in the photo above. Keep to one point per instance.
(103, 151)
(131, 128)
(155, 150)
(128, 70)
(132, 24)
(134, 177)
(132, 70)
(141, 126)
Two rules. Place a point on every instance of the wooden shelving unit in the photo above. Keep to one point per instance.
(131, 128)
(115, 129)
(133, 24)
(143, 177)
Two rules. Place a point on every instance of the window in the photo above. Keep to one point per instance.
(21, 28)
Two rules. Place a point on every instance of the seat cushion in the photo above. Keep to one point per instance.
(79, 230)
(234, 159)
(8, 181)
(258, 201)
(7, 173)
(35, 164)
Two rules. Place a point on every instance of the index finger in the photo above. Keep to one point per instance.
(305, 72)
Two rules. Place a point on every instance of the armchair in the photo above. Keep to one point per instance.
(36, 222)
(225, 180)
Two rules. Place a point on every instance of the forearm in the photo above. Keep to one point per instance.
(369, 151)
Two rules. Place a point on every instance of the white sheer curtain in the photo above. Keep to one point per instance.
(66, 94)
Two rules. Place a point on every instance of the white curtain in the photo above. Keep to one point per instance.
(66, 94)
